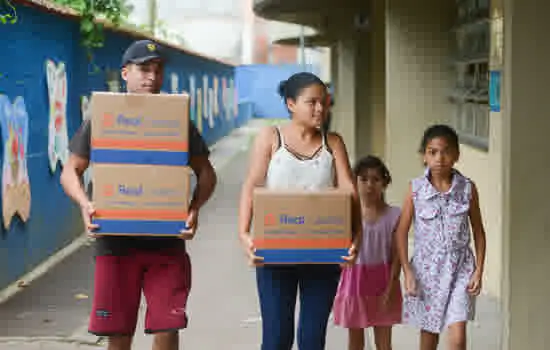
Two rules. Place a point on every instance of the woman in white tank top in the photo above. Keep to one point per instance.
(297, 155)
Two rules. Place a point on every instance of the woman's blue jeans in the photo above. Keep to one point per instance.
(278, 288)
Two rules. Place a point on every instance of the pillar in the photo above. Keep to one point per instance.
(418, 80)
(526, 168)
(377, 77)
(344, 112)
(363, 102)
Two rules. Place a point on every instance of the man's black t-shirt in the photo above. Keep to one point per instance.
(80, 145)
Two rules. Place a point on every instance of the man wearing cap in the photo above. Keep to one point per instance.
(127, 266)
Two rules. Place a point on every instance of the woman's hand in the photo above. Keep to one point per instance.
(249, 249)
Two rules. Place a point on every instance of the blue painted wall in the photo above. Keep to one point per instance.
(258, 84)
(37, 36)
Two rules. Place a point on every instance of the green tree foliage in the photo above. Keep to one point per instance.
(8, 14)
(91, 31)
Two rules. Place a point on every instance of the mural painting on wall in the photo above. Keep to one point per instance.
(174, 83)
(216, 96)
(58, 137)
(86, 115)
(225, 98)
(199, 109)
(16, 189)
(207, 103)
(235, 98)
(211, 122)
(231, 89)
(206, 110)
(192, 99)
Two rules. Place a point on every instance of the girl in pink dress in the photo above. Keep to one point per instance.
(369, 293)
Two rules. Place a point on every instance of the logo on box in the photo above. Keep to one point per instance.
(129, 190)
(126, 190)
(129, 121)
(108, 120)
(270, 220)
(108, 190)
(284, 219)
(139, 190)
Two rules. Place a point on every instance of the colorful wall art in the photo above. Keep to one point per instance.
(234, 97)
(210, 108)
(193, 98)
(51, 81)
(174, 83)
(199, 109)
(204, 111)
(216, 100)
(16, 191)
(210, 102)
(227, 101)
(57, 93)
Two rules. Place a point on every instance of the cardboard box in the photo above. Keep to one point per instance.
(140, 199)
(140, 128)
(302, 227)
(139, 158)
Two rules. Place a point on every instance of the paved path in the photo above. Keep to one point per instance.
(52, 312)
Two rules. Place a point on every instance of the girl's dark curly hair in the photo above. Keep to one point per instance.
(372, 162)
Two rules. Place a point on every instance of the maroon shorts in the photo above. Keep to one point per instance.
(164, 277)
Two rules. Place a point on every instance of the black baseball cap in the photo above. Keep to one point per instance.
(142, 51)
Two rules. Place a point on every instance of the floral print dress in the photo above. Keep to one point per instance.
(443, 261)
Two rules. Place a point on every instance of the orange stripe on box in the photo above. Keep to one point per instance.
(141, 214)
(141, 144)
(318, 243)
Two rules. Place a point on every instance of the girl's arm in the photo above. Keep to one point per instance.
(346, 180)
(395, 262)
(478, 230)
(402, 232)
(394, 273)
(260, 155)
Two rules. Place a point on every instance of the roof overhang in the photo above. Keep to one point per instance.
(316, 40)
(305, 12)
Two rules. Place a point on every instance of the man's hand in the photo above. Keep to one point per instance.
(192, 219)
(87, 211)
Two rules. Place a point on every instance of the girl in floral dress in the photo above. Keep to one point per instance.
(443, 277)
(369, 293)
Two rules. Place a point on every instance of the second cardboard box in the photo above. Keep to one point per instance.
(302, 227)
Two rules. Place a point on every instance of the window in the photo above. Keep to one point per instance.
(470, 94)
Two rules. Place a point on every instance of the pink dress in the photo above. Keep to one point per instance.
(358, 303)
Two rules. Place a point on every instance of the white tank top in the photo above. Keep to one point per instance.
(287, 171)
